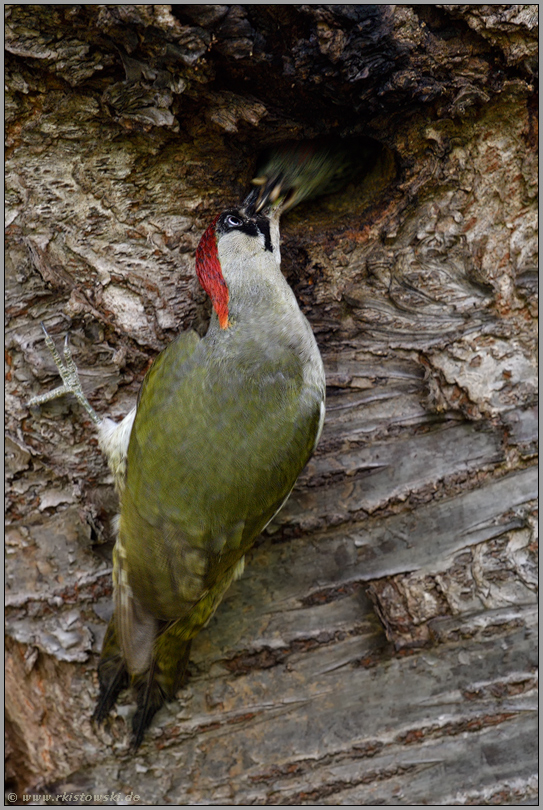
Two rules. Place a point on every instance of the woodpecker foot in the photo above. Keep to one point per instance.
(70, 378)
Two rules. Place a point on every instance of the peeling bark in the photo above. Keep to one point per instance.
(380, 647)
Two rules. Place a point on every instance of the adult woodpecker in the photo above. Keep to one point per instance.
(221, 430)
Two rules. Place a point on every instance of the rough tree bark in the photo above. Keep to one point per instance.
(380, 647)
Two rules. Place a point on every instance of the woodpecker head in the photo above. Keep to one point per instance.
(234, 238)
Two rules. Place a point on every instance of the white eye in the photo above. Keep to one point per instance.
(233, 222)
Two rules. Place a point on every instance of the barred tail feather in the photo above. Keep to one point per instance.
(112, 675)
(136, 627)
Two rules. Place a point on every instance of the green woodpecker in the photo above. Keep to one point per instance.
(222, 428)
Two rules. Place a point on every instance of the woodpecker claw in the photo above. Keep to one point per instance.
(69, 375)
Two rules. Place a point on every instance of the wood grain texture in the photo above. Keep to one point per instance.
(381, 646)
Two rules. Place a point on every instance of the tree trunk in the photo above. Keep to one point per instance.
(380, 648)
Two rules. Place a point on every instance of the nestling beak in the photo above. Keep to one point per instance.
(267, 197)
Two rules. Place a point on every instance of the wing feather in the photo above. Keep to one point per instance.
(136, 628)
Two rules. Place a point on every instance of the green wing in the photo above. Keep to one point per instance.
(214, 452)
(182, 348)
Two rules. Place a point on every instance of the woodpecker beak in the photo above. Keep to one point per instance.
(249, 205)
(269, 194)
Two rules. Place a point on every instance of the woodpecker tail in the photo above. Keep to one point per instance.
(153, 688)
(112, 675)
(167, 673)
